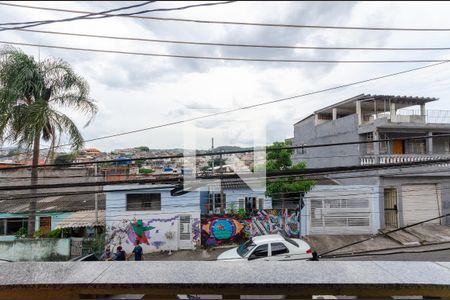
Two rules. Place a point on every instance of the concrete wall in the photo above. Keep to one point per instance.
(341, 130)
(119, 221)
(35, 250)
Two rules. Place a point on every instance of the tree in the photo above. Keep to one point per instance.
(30, 93)
(143, 148)
(279, 159)
(64, 159)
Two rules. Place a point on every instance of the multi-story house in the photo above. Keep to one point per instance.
(407, 195)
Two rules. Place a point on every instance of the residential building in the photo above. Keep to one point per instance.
(51, 213)
(161, 217)
(405, 196)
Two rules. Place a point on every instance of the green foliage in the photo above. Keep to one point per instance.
(139, 163)
(143, 148)
(217, 162)
(280, 160)
(55, 233)
(241, 214)
(38, 233)
(22, 232)
(145, 171)
(31, 93)
(63, 159)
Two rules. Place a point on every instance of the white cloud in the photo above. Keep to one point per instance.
(136, 92)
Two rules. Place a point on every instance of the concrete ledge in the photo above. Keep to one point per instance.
(367, 278)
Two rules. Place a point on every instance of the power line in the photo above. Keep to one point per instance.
(106, 15)
(259, 149)
(304, 26)
(230, 58)
(252, 106)
(234, 44)
(87, 16)
(255, 105)
(303, 172)
(384, 233)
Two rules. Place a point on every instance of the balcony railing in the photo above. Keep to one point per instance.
(412, 116)
(368, 160)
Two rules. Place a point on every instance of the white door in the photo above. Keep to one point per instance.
(185, 235)
(420, 202)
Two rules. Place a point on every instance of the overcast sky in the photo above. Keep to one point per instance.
(135, 92)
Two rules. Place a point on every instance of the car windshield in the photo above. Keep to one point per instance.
(245, 248)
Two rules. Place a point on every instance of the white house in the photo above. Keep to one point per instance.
(159, 216)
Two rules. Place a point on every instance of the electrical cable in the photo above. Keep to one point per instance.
(306, 26)
(105, 15)
(225, 58)
(253, 105)
(256, 149)
(154, 40)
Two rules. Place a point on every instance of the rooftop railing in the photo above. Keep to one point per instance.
(411, 116)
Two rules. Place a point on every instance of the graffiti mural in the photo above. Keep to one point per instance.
(151, 233)
(218, 230)
(196, 232)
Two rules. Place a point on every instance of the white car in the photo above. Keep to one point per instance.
(269, 247)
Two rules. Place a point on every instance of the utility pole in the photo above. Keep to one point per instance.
(96, 200)
(222, 202)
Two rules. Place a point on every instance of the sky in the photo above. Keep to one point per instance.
(134, 92)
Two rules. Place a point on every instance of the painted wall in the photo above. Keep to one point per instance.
(217, 230)
(157, 230)
(35, 250)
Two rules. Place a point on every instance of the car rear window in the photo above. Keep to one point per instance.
(291, 241)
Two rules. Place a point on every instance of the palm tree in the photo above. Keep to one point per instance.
(30, 93)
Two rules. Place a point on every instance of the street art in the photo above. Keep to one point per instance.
(218, 230)
(196, 231)
(150, 233)
(140, 232)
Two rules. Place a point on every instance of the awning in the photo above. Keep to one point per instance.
(85, 218)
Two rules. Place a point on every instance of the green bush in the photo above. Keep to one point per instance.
(22, 232)
(145, 171)
(38, 233)
(55, 234)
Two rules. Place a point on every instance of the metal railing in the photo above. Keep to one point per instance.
(411, 116)
(400, 158)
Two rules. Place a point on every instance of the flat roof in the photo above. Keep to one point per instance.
(401, 101)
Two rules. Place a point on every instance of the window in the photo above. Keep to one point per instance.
(278, 248)
(11, 226)
(245, 248)
(300, 151)
(215, 202)
(250, 203)
(150, 201)
(260, 251)
(287, 200)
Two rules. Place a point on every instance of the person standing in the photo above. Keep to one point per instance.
(120, 254)
(107, 255)
(137, 251)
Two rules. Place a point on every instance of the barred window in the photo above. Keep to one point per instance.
(150, 201)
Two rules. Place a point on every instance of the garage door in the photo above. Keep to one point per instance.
(420, 202)
(340, 216)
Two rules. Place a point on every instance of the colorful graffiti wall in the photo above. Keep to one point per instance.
(217, 230)
(155, 233)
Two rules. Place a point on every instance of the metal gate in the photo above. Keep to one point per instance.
(76, 247)
(390, 208)
(185, 232)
